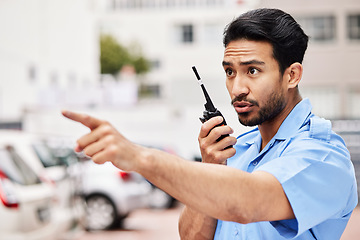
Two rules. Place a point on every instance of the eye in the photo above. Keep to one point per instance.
(253, 71)
(229, 72)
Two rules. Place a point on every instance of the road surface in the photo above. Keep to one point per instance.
(162, 225)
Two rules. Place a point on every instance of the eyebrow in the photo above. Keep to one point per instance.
(251, 62)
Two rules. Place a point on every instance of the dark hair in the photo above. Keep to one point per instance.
(288, 40)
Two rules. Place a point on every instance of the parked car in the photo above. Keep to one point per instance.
(111, 194)
(26, 202)
(34, 150)
(159, 199)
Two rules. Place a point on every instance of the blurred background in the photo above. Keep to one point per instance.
(129, 61)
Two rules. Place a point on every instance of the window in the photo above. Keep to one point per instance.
(319, 28)
(170, 3)
(183, 33)
(16, 168)
(45, 155)
(72, 78)
(54, 78)
(353, 27)
(150, 91)
(210, 2)
(138, 4)
(112, 5)
(187, 33)
(326, 100)
(155, 64)
(354, 99)
(32, 73)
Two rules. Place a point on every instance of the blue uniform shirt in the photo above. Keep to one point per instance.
(313, 166)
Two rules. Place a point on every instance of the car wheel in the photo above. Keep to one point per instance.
(100, 213)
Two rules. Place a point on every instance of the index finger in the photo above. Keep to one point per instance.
(209, 125)
(84, 119)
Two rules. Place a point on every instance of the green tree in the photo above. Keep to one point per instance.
(141, 64)
(113, 56)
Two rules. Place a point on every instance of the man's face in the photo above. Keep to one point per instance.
(254, 82)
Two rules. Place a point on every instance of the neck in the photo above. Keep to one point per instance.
(269, 128)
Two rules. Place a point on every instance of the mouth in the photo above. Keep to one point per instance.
(243, 106)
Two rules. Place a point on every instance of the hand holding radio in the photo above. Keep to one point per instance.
(209, 113)
(210, 109)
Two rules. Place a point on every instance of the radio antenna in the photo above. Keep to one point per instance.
(208, 105)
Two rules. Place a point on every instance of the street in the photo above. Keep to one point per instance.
(162, 225)
(146, 224)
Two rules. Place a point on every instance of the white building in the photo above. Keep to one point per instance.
(45, 46)
(331, 79)
(175, 35)
(56, 42)
(178, 34)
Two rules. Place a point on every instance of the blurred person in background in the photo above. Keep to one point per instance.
(291, 177)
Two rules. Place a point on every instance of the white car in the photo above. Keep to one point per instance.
(69, 212)
(26, 203)
(111, 194)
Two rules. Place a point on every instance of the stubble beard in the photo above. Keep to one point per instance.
(275, 104)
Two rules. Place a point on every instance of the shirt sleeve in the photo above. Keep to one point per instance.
(317, 178)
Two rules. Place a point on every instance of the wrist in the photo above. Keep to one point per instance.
(145, 160)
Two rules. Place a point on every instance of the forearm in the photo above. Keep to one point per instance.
(216, 190)
(194, 225)
(207, 188)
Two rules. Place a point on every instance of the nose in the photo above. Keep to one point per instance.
(238, 87)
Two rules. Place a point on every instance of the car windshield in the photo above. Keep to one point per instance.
(45, 155)
(15, 168)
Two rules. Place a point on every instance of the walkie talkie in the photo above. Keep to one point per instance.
(210, 109)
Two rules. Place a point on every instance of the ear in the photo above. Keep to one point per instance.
(293, 74)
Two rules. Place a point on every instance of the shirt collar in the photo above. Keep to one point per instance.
(298, 116)
(293, 122)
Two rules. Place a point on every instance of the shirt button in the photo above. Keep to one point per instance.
(255, 163)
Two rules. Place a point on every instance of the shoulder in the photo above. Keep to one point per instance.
(316, 143)
(318, 131)
(320, 128)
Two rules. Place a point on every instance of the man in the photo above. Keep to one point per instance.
(289, 178)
